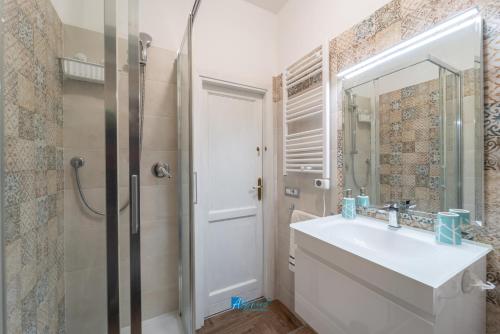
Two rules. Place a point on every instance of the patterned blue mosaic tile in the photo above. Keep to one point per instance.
(395, 180)
(397, 148)
(51, 156)
(12, 222)
(422, 170)
(492, 119)
(42, 212)
(409, 147)
(40, 77)
(434, 182)
(52, 206)
(364, 30)
(12, 189)
(422, 181)
(25, 31)
(395, 105)
(409, 113)
(26, 126)
(408, 92)
(28, 314)
(33, 82)
(29, 247)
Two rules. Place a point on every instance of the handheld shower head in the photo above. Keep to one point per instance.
(145, 41)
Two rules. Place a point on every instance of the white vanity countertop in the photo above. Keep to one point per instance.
(411, 252)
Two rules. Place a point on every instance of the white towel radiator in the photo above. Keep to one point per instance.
(306, 115)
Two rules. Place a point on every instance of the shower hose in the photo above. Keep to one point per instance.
(141, 125)
(354, 178)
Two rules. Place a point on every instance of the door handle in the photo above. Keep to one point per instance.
(134, 204)
(195, 187)
(259, 188)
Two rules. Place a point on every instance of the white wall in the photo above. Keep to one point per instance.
(227, 31)
(235, 40)
(165, 20)
(303, 25)
(88, 14)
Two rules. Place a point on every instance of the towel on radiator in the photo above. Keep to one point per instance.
(297, 216)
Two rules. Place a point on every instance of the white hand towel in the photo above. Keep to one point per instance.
(297, 216)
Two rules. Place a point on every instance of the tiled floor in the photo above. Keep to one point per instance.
(164, 324)
(276, 320)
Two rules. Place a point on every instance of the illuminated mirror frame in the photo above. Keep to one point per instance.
(454, 24)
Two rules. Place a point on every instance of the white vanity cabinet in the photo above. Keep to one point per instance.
(358, 277)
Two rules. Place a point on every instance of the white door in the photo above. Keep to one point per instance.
(233, 231)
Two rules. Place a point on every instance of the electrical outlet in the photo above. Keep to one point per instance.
(322, 183)
(292, 192)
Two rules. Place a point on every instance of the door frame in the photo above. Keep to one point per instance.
(269, 198)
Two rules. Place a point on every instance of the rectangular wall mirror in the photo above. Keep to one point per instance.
(413, 125)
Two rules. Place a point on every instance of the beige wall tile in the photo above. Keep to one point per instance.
(161, 65)
(158, 202)
(157, 275)
(85, 233)
(160, 133)
(161, 99)
(159, 238)
(88, 42)
(86, 304)
(92, 173)
(160, 301)
(83, 129)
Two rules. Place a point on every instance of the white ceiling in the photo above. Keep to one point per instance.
(271, 5)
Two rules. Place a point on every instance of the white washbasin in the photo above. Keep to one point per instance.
(411, 252)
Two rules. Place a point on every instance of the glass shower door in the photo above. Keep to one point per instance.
(155, 275)
(185, 173)
(71, 227)
(135, 136)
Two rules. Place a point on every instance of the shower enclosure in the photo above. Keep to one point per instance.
(96, 171)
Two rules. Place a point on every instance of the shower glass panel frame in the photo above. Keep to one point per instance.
(111, 162)
(185, 177)
(118, 314)
(134, 89)
(185, 190)
(3, 311)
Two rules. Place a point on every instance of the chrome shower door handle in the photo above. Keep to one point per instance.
(134, 203)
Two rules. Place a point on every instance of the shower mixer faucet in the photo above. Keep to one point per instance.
(161, 170)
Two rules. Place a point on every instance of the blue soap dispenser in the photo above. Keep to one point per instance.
(348, 205)
(363, 200)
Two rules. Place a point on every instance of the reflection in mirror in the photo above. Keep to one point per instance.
(413, 126)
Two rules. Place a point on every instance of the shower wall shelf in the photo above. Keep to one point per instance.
(79, 70)
(306, 115)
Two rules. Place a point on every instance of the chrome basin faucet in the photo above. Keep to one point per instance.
(395, 210)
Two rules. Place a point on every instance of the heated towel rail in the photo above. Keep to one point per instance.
(306, 115)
